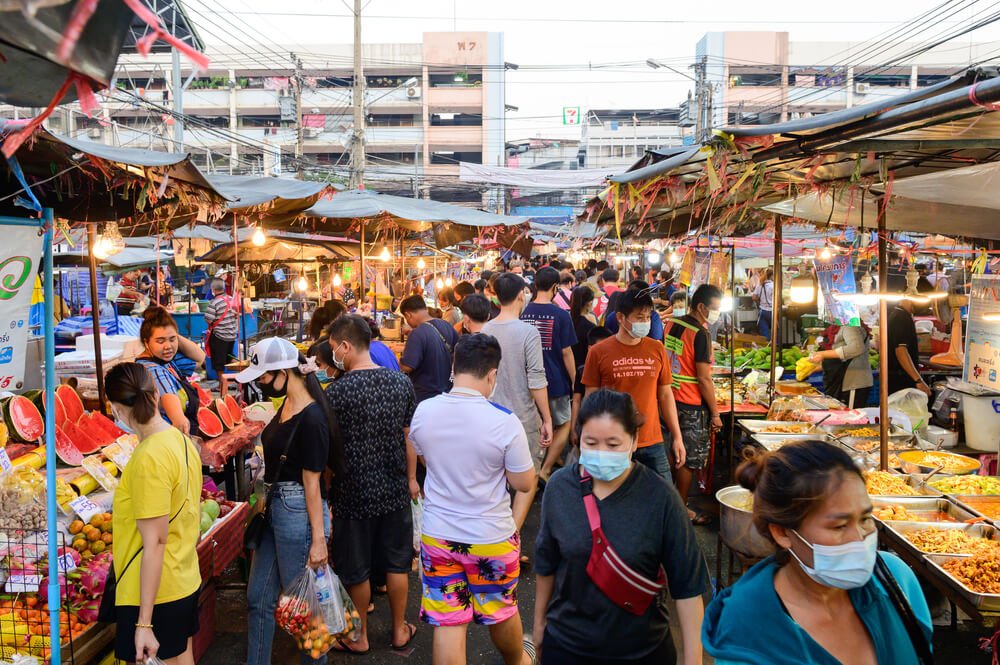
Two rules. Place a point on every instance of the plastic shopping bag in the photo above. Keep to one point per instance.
(913, 404)
(417, 508)
(299, 614)
(330, 601)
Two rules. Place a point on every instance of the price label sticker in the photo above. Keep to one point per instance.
(85, 508)
(66, 563)
(5, 464)
(23, 583)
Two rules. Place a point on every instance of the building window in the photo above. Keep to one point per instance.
(456, 120)
(456, 79)
(453, 158)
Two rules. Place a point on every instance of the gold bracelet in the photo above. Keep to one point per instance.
(144, 625)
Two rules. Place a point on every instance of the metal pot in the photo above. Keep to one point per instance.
(737, 529)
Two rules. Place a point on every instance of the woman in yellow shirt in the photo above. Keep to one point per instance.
(156, 526)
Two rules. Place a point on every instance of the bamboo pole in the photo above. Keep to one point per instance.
(883, 346)
(775, 305)
(95, 315)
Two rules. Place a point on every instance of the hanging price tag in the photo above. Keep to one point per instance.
(5, 463)
(85, 508)
(23, 583)
(66, 563)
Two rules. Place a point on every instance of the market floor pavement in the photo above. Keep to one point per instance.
(229, 647)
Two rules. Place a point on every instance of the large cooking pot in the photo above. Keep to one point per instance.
(737, 529)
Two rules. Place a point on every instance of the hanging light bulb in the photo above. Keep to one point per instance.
(674, 256)
(448, 281)
(825, 254)
(653, 258)
(337, 281)
(113, 241)
(802, 290)
(421, 264)
(439, 283)
(259, 237)
(100, 248)
(303, 284)
(385, 255)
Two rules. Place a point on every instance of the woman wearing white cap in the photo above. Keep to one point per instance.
(300, 443)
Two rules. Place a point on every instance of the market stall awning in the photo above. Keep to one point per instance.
(130, 257)
(284, 247)
(270, 200)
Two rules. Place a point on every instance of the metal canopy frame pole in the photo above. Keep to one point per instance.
(732, 365)
(883, 345)
(95, 315)
(45, 224)
(775, 304)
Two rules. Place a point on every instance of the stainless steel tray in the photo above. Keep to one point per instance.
(844, 431)
(914, 480)
(824, 403)
(925, 505)
(969, 502)
(989, 602)
(775, 441)
(865, 445)
(758, 426)
(900, 529)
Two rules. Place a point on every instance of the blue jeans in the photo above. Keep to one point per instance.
(764, 323)
(655, 457)
(281, 557)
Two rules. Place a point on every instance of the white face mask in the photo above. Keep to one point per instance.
(679, 312)
(713, 316)
(847, 566)
(639, 329)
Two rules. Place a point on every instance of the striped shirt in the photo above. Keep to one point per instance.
(225, 329)
(167, 380)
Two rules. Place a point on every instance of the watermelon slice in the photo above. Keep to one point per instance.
(60, 415)
(93, 427)
(209, 423)
(234, 409)
(66, 450)
(23, 419)
(83, 441)
(100, 420)
(71, 402)
(219, 408)
(204, 397)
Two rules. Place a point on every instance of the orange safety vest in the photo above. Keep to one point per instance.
(680, 354)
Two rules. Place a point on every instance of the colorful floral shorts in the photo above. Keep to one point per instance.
(465, 583)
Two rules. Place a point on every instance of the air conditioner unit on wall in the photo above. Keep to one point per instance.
(312, 132)
(862, 88)
(413, 93)
(94, 132)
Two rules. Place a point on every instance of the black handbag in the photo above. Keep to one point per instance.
(107, 610)
(261, 519)
(917, 636)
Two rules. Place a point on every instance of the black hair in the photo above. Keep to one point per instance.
(631, 301)
(373, 327)
(476, 307)
(597, 334)
(610, 275)
(132, 385)
(477, 354)
(446, 295)
(480, 286)
(601, 265)
(463, 290)
(566, 277)
(335, 454)
(155, 317)
(322, 352)
(705, 294)
(351, 328)
(638, 285)
(546, 279)
(790, 482)
(324, 316)
(581, 276)
(605, 402)
(581, 296)
(507, 286)
(678, 296)
(412, 304)
(486, 274)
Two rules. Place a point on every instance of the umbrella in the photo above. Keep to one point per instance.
(285, 247)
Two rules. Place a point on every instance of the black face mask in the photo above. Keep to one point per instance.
(269, 390)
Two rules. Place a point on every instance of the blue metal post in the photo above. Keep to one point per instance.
(48, 329)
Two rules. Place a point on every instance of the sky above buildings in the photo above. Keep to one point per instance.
(582, 53)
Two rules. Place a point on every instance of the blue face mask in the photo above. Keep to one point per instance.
(321, 376)
(605, 465)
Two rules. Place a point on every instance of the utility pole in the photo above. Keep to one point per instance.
(299, 132)
(358, 98)
(178, 144)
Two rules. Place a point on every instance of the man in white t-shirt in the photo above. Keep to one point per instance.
(470, 547)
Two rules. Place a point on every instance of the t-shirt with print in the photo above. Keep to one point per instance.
(161, 479)
(428, 356)
(309, 451)
(639, 370)
(555, 327)
(521, 370)
(373, 408)
(465, 493)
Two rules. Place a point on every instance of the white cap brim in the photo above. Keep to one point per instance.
(250, 374)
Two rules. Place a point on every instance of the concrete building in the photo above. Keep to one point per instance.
(765, 77)
(617, 138)
(428, 106)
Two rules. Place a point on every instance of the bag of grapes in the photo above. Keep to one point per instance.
(299, 614)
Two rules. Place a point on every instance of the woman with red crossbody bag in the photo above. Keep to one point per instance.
(614, 538)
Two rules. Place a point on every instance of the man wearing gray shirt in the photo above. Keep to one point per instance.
(521, 385)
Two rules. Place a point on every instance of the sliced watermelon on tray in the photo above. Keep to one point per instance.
(90, 423)
(66, 449)
(204, 397)
(72, 404)
(23, 419)
(98, 419)
(219, 408)
(83, 441)
(235, 411)
(208, 423)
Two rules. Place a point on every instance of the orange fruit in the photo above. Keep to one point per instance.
(76, 526)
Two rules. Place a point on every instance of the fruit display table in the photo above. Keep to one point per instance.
(225, 455)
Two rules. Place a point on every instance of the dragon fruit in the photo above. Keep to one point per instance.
(93, 577)
(43, 589)
(87, 612)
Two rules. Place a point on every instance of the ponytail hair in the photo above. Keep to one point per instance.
(131, 385)
(336, 450)
(155, 317)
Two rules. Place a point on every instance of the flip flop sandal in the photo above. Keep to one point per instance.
(341, 646)
(406, 645)
(701, 519)
(529, 648)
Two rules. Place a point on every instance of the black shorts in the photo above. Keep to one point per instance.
(382, 543)
(220, 349)
(173, 623)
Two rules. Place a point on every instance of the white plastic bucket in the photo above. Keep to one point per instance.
(982, 422)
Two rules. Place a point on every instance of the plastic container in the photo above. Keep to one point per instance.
(982, 422)
(946, 437)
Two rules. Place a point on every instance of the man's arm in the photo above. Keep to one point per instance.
(538, 385)
(570, 362)
(707, 389)
(668, 411)
(906, 362)
(411, 465)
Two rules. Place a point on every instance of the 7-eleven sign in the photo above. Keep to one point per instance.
(571, 115)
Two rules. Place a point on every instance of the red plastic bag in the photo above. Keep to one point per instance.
(299, 614)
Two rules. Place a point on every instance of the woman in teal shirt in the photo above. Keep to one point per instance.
(817, 601)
